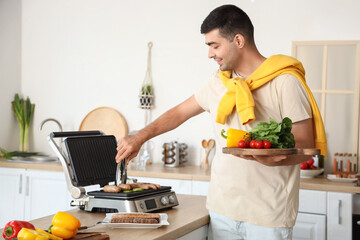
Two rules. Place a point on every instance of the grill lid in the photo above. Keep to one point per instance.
(92, 159)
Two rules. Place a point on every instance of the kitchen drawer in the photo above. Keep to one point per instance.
(312, 201)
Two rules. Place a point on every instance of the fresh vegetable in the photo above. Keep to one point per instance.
(65, 225)
(10, 155)
(252, 143)
(259, 144)
(30, 234)
(127, 191)
(12, 228)
(138, 189)
(278, 134)
(23, 112)
(51, 236)
(267, 144)
(309, 164)
(242, 144)
(233, 136)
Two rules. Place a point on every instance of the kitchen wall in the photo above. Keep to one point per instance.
(83, 54)
(10, 69)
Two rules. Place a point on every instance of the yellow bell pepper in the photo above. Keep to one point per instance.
(29, 234)
(234, 136)
(65, 225)
(51, 236)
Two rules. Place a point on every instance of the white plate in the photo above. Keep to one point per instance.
(163, 221)
(332, 177)
(310, 173)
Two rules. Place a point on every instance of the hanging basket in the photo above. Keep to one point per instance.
(146, 95)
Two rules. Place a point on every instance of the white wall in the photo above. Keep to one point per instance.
(10, 70)
(83, 54)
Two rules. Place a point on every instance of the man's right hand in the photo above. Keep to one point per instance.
(128, 147)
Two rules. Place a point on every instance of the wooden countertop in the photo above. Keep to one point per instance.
(190, 215)
(189, 172)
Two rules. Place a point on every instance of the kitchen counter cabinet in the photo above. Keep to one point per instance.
(187, 220)
(31, 193)
(192, 173)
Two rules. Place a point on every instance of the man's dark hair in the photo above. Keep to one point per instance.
(230, 20)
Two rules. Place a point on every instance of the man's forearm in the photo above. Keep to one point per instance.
(171, 119)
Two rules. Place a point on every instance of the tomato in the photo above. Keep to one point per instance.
(247, 143)
(242, 144)
(311, 161)
(252, 143)
(304, 165)
(259, 144)
(267, 144)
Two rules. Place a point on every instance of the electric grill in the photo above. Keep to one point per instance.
(89, 160)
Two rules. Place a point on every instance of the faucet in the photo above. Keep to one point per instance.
(52, 120)
(58, 123)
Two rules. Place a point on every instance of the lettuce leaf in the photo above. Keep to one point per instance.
(279, 134)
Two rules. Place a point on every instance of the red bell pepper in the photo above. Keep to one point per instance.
(12, 228)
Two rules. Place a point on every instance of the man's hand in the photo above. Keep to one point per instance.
(128, 147)
(270, 161)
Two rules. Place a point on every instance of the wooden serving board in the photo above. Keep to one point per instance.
(272, 151)
(107, 120)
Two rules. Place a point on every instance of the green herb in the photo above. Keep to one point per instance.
(23, 112)
(10, 155)
(279, 134)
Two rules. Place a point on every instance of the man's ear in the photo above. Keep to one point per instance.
(239, 40)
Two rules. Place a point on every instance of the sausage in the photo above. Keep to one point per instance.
(124, 186)
(111, 189)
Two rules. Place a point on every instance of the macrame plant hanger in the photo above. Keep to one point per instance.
(147, 102)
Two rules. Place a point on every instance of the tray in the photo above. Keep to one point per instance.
(333, 178)
(163, 221)
(272, 151)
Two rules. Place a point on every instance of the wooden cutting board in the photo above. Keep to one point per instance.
(107, 120)
(272, 151)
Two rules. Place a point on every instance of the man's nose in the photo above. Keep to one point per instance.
(211, 53)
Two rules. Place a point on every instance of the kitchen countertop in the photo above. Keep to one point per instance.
(190, 215)
(190, 172)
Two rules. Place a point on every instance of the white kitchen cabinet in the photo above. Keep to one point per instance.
(31, 194)
(12, 194)
(200, 187)
(311, 221)
(339, 216)
(310, 227)
(45, 194)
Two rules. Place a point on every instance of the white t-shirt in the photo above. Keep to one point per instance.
(246, 190)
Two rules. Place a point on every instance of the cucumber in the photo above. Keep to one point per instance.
(138, 189)
(127, 191)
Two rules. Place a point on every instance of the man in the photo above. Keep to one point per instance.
(250, 197)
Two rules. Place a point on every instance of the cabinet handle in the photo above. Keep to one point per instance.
(339, 211)
(20, 184)
(27, 186)
(358, 222)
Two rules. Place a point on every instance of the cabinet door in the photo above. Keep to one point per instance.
(178, 186)
(12, 194)
(45, 193)
(339, 213)
(309, 227)
(200, 188)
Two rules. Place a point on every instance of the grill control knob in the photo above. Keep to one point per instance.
(164, 200)
(172, 199)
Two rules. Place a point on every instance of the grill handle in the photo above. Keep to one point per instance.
(75, 133)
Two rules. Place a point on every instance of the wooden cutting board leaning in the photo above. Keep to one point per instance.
(107, 120)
